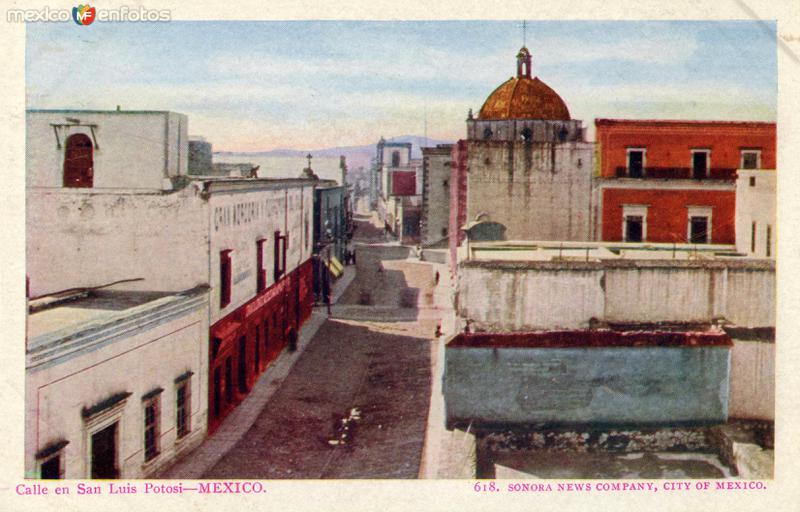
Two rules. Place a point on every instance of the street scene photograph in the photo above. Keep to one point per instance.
(514, 253)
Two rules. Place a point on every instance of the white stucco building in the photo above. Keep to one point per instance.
(755, 212)
(154, 293)
(115, 383)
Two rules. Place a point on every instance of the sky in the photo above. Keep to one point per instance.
(254, 86)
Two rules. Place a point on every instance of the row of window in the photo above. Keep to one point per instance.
(279, 267)
(105, 442)
(700, 161)
(698, 229)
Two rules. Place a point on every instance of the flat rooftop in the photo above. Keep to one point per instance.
(589, 338)
(68, 322)
(85, 308)
(510, 252)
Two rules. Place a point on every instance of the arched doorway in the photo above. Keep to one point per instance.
(78, 161)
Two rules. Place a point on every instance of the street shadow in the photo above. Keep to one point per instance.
(377, 285)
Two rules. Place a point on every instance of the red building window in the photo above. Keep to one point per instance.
(261, 273)
(78, 161)
(698, 230)
(634, 222)
(699, 225)
(280, 255)
(700, 163)
(636, 162)
(224, 278)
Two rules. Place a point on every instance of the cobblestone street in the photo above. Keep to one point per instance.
(355, 404)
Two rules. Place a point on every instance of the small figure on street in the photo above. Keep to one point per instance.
(438, 331)
(436, 278)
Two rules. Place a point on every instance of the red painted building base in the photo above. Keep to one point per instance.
(246, 341)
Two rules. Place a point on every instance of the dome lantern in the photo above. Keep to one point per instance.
(523, 97)
(523, 63)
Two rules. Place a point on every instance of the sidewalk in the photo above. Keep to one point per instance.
(198, 462)
(446, 454)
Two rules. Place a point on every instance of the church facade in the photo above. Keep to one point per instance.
(525, 168)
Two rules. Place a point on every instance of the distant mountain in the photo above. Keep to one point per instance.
(357, 156)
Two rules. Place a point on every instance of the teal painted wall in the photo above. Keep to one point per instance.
(604, 386)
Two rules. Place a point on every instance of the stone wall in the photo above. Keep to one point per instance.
(539, 191)
(752, 380)
(519, 296)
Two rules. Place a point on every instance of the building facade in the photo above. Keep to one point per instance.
(398, 194)
(755, 212)
(210, 277)
(96, 404)
(332, 232)
(436, 163)
(260, 245)
(200, 156)
(524, 166)
(675, 181)
(117, 278)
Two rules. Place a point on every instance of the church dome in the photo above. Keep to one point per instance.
(523, 97)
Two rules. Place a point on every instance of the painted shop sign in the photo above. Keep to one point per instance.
(264, 298)
(246, 212)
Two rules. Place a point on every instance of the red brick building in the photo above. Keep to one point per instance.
(674, 181)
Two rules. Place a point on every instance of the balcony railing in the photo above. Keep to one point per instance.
(678, 173)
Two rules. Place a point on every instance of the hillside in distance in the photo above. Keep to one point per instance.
(357, 156)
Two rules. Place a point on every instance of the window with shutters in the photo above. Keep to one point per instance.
(152, 413)
(183, 407)
(78, 161)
